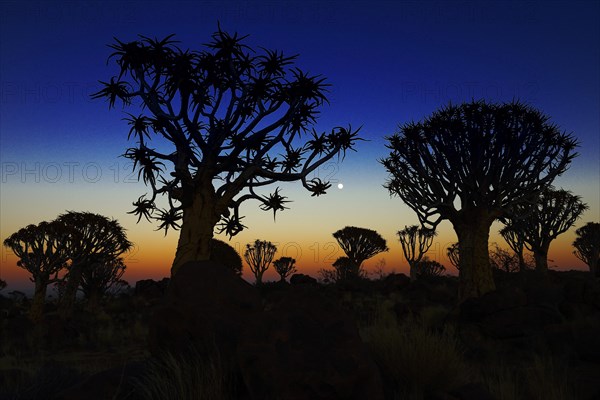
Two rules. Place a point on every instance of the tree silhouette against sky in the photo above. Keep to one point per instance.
(587, 246)
(98, 278)
(90, 238)
(470, 164)
(259, 255)
(285, 266)
(453, 254)
(233, 119)
(516, 242)
(552, 214)
(42, 251)
(359, 244)
(415, 243)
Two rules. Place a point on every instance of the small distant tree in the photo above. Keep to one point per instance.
(100, 277)
(2, 284)
(91, 237)
(471, 164)
(42, 252)
(285, 266)
(428, 268)
(516, 241)
(453, 254)
(259, 256)
(504, 260)
(554, 213)
(359, 244)
(587, 246)
(223, 253)
(379, 269)
(415, 243)
(233, 118)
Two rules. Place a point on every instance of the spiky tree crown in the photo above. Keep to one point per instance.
(232, 116)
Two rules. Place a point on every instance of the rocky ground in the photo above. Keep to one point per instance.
(533, 338)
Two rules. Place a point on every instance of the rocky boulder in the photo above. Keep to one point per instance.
(302, 279)
(205, 304)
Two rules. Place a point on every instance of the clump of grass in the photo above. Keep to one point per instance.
(548, 380)
(541, 379)
(416, 360)
(187, 377)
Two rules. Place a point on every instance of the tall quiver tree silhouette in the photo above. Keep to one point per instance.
(553, 213)
(359, 244)
(42, 252)
(453, 254)
(587, 246)
(259, 256)
(91, 238)
(470, 164)
(415, 243)
(284, 266)
(234, 119)
(516, 242)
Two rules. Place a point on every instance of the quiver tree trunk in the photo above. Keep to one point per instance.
(39, 300)
(413, 271)
(67, 303)
(540, 254)
(475, 273)
(197, 228)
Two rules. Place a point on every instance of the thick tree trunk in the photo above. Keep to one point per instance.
(475, 273)
(413, 271)
(39, 300)
(540, 255)
(67, 303)
(197, 227)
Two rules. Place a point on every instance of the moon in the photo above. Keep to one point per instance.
(340, 186)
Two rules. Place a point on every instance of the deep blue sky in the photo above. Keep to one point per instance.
(388, 61)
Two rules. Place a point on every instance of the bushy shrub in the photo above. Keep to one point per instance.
(224, 254)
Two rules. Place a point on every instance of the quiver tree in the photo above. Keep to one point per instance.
(516, 241)
(470, 164)
(91, 238)
(41, 250)
(587, 246)
(2, 284)
(553, 213)
(234, 119)
(453, 254)
(226, 255)
(259, 256)
(359, 244)
(285, 266)
(504, 260)
(99, 277)
(415, 243)
(345, 269)
(427, 268)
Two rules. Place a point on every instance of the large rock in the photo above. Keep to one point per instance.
(302, 279)
(474, 309)
(205, 304)
(307, 347)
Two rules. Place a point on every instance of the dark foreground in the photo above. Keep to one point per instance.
(213, 336)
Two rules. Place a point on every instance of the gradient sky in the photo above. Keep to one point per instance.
(389, 62)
